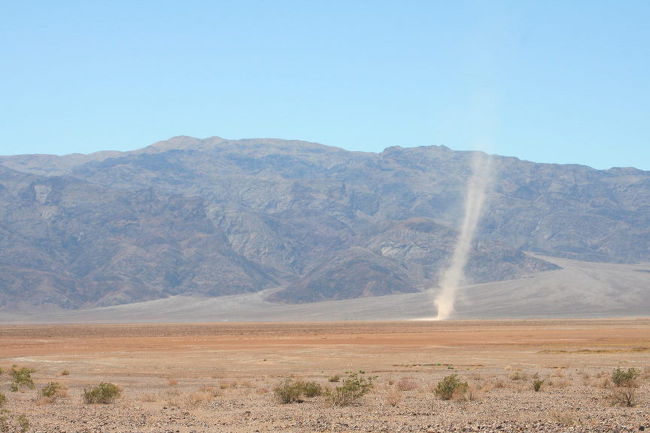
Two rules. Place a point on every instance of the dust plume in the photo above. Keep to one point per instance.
(453, 277)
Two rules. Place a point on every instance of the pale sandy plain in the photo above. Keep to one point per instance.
(220, 377)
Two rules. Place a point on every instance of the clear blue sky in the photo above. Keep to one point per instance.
(549, 81)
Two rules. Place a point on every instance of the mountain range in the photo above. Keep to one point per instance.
(299, 222)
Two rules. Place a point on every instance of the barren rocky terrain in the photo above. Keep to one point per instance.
(299, 222)
(221, 377)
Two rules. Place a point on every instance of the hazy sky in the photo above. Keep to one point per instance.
(549, 81)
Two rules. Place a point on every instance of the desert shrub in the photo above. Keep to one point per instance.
(393, 397)
(605, 383)
(335, 378)
(518, 375)
(623, 396)
(228, 384)
(148, 398)
(406, 384)
(449, 386)
(537, 385)
(23, 423)
(207, 389)
(196, 399)
(565, 418)
(104, 393)
(3, 399)
(246, 384)
(465, 393)
(354, 386)
(22, 378)
(52, 391)
(289, 391)
(311, 389)
(625, 378)
(558, 383)
(65, 373)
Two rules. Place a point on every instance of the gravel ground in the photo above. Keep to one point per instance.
(569, 401)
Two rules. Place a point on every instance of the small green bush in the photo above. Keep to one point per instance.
(449, 386)
(335, 378)
(53, 390)
(3, 399)
(354, 386)
(290, 391)
(311, 389)
(104, 393)
(537, 385)
(626, 378)
(22, 377)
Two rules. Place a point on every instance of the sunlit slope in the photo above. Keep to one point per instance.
(580, 289)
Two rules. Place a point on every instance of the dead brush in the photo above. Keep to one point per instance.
(228, 384)
(484, 387)
(466, 394)
(148, 398)
(558, 383)
(393, 397)
(406, 384)
(565, 418)
(584, 375)
(196, 399)
(247, 384)
(208, 389)
(172, 398)
(559, 372)
(623, 397)
(605, 383)
(646, 373)
(518, 375)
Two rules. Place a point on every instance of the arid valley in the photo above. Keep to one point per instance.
(222, 377)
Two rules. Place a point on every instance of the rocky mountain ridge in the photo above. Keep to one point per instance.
(212, 217)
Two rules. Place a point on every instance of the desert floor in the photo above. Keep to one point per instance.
(221, 377)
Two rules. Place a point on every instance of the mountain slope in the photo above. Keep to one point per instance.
(214, 217)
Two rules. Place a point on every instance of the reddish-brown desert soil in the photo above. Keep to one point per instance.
(220, 377)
